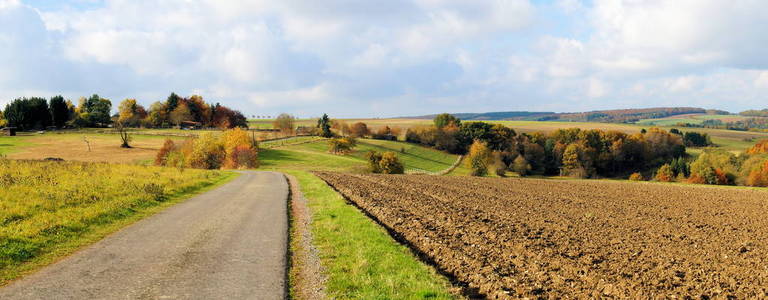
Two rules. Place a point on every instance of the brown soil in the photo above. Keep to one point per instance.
(515, 238)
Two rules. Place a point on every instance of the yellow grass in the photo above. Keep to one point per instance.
(49, 209)
(72, 146)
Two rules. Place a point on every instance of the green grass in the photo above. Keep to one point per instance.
(11, 144)
(360, 259)
(314, 156)
(50, 209)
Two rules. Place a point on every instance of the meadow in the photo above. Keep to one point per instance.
(312, 154)
(49, 209)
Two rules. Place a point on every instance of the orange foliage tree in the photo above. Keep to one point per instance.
(759, 148)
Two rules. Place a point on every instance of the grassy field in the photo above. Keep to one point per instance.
(688, 118)
(360, 259)
(314, 156)
(50, 209)
(72, 146)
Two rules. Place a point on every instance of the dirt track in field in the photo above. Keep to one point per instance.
(513, 238)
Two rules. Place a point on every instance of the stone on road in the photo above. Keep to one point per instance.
(229, 243)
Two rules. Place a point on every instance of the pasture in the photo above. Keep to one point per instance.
(309, 154)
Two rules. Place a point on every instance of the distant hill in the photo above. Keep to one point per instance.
(606, 116)
(501, 115)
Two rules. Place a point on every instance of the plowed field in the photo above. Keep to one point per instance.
(514, 238)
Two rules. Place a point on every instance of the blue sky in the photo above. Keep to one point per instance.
(391, 58)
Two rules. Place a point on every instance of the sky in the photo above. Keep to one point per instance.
(385, 58)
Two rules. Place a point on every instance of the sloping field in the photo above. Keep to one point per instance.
(514, 238)
(313, 155)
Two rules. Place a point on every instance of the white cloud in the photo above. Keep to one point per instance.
(762, 80)
(346, 56)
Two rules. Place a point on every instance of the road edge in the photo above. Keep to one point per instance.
(305, 279)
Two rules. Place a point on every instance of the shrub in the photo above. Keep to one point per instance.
(758, 177)
(358, 130)
(479, 158)
(386, 163)
(341, 145)
(373, 161)
(390, 164)
(759, 148)
(162, 155)
(207, 152)
(636, 177)
(714, 167)
(499, 165)
(521, 166)
(234, 149)
(665, 174)
(241, 150)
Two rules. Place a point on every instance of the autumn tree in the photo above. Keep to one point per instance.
(130, 113)
(521, 166)
(358, 130)
(759, 148)
(573, 164)
(479, 158)
(285, 123)
(446, 119)
(180, 114)
(758, 176)
(158, 114)
(665, 174)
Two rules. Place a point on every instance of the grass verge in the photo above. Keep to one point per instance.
(36, 235)
(359, 258)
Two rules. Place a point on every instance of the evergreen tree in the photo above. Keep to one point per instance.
(59, 111)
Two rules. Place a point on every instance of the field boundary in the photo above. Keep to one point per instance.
(305, 276)
(438, 173)
(463, 287)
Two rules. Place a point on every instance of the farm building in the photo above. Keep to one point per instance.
(9, 131)
(190, 125)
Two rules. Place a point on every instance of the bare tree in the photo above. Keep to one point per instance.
(285, 123)
(125, 137)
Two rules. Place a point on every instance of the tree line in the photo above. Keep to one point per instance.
(569, 152)
(95, 111)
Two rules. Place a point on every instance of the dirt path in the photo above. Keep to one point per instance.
(229, 243)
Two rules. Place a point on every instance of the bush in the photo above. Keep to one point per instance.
(521, 166)
(759, 148)
(390, 164)
(665, 174)
(358, 130)
(636, 177)
(342, 145)
(208, 152)
(386, 163)
(714, 167)
(161, 158)
(373, 161)
(234, 149)
(241, 150)
(758, 177)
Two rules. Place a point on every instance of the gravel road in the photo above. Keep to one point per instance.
(229, 243)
